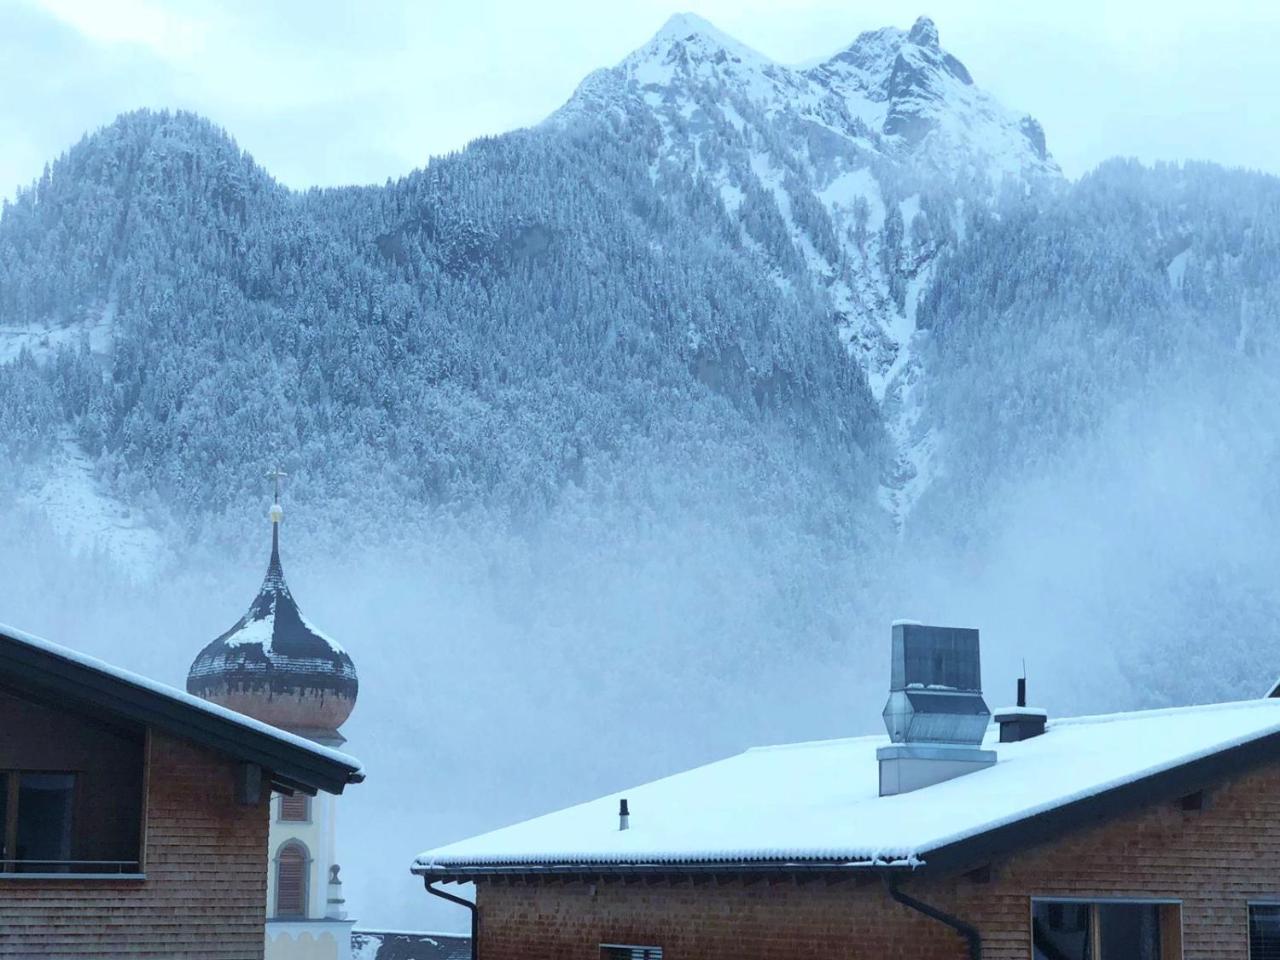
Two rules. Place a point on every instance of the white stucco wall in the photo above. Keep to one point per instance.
(318, 836)
(308, 940)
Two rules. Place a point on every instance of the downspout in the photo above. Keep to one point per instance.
(969, 932)
(462, 902)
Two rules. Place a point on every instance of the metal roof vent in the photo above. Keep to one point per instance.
(935, 686)
(935, 714)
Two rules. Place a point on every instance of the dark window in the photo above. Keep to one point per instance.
(292, 866)
(1264, 932)
(1129, 930)
(71, 790)
(43, 828)
(1062, 931)
(610, 951)
(1106, 931)
(296, 808)
(36, 821)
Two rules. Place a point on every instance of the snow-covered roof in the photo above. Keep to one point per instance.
(409, 945)
(819, 801)
(47, 651)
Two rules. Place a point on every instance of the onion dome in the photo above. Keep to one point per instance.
(275, 666)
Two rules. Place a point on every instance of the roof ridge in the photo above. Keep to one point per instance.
(806, 744)
(1155, 712)
(1090, 718)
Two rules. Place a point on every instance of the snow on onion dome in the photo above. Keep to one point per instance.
(274, 665)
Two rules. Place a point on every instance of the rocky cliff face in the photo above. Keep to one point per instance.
(850, 176)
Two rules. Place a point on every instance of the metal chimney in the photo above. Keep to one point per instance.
(935, 714)
(1020, 722)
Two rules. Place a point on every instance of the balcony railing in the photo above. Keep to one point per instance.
(70, 867)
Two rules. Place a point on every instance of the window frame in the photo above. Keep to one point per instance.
(307, 861)
(1094, 902)
(633, 947)
(1248, 931)
(11, 783)
(281, 818)
(129, 872)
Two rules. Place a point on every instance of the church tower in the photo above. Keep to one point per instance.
(275, 666)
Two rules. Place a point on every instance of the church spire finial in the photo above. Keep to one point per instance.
(277, 512)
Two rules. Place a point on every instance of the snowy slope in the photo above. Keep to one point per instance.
(42, 340)
(88, 518)
(840, 155)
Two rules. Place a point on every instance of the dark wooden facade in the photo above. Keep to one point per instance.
(160, 805)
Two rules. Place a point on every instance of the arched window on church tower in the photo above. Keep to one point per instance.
(293, 864)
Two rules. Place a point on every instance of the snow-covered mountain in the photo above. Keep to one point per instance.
(704, 258)
(621, 410)
(863, 164)
(891, 94)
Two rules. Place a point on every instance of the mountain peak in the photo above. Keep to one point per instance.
(893, 91)
(692, 30)
(924, 33)
(679, 26)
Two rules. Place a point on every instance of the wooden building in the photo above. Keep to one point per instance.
(1140, 836)
(135, 816)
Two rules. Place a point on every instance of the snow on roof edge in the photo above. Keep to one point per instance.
(410, 933)
(187, 699)
(897, 860)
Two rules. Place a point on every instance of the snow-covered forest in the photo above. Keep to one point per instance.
(615, 443)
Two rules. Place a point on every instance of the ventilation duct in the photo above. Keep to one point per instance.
(935, 714)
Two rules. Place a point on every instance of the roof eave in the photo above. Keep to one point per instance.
(465, 873)
(66, 679)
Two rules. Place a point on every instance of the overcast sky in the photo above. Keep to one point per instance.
(323, 92)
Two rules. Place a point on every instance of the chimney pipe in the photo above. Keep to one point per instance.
(1020, 722)
(624, 815)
